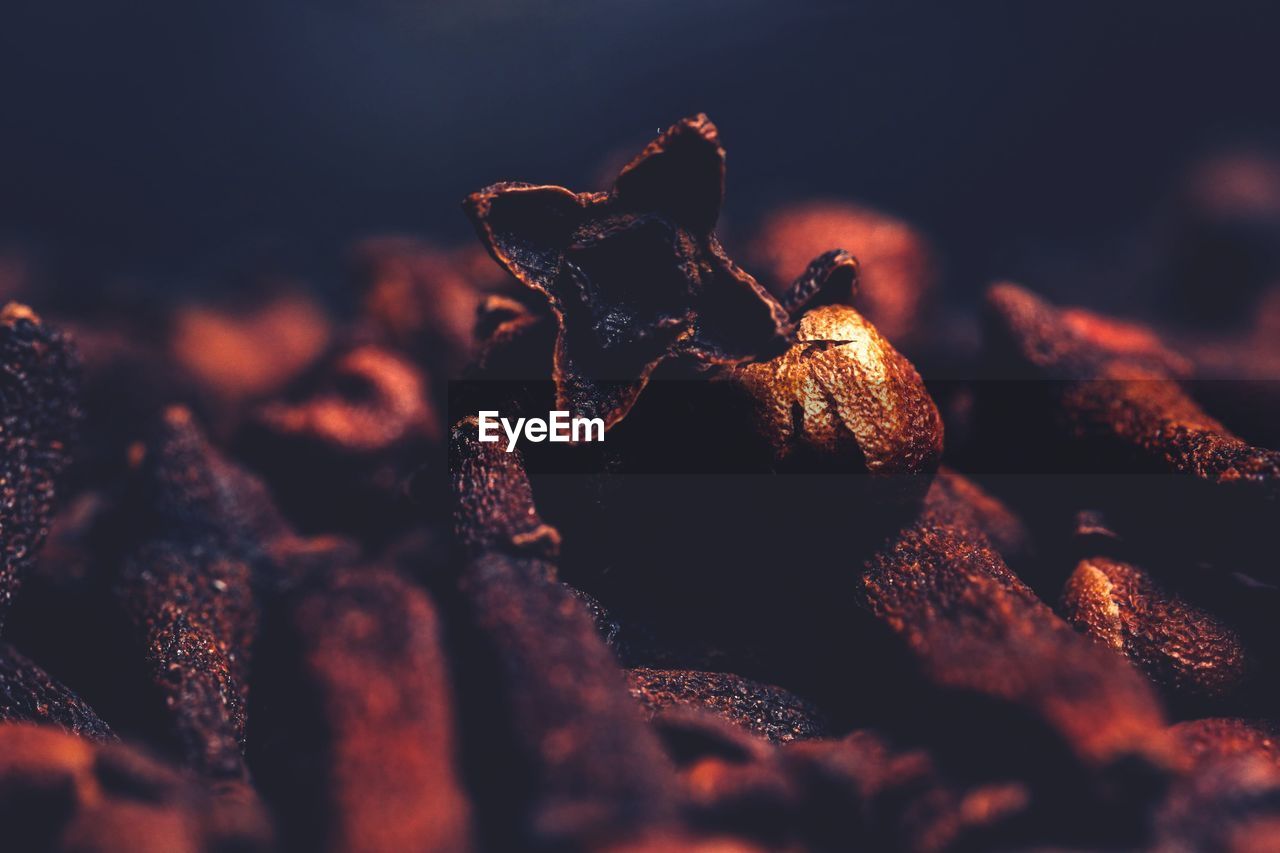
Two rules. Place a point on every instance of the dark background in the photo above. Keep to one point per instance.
(185, 144)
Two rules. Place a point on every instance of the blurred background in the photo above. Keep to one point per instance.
(194, 145)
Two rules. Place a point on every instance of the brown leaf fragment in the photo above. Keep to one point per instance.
(59, 792)
(1178, 645)
(762, 709)
(843, 396)
(360, 740)
(974, 629)
(1118, 386)
(634, 276)
(29, 694)
(1105, 400)
(39, 405)
(1074, 343)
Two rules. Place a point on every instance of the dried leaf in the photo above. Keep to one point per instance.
(634, 276)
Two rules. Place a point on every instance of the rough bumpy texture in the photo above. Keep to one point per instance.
(1104, 402)
(896, 272)
(973, 627)
(1118, 386)
(965, 503)
(39, 411)
(843, 397)
(188, 584)
(59, 792)
(634, 276)
(762, 709)
(360, 736)
(1177, 644)
(29, 694)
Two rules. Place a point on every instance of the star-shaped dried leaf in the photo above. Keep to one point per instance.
(633, 276)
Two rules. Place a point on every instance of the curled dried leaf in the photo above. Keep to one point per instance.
(1118, 384)
(830, 278)
(1177, 644)
(634, 276)
(762, 709)
(973, 628)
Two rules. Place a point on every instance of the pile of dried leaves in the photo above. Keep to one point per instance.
(774, 610)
